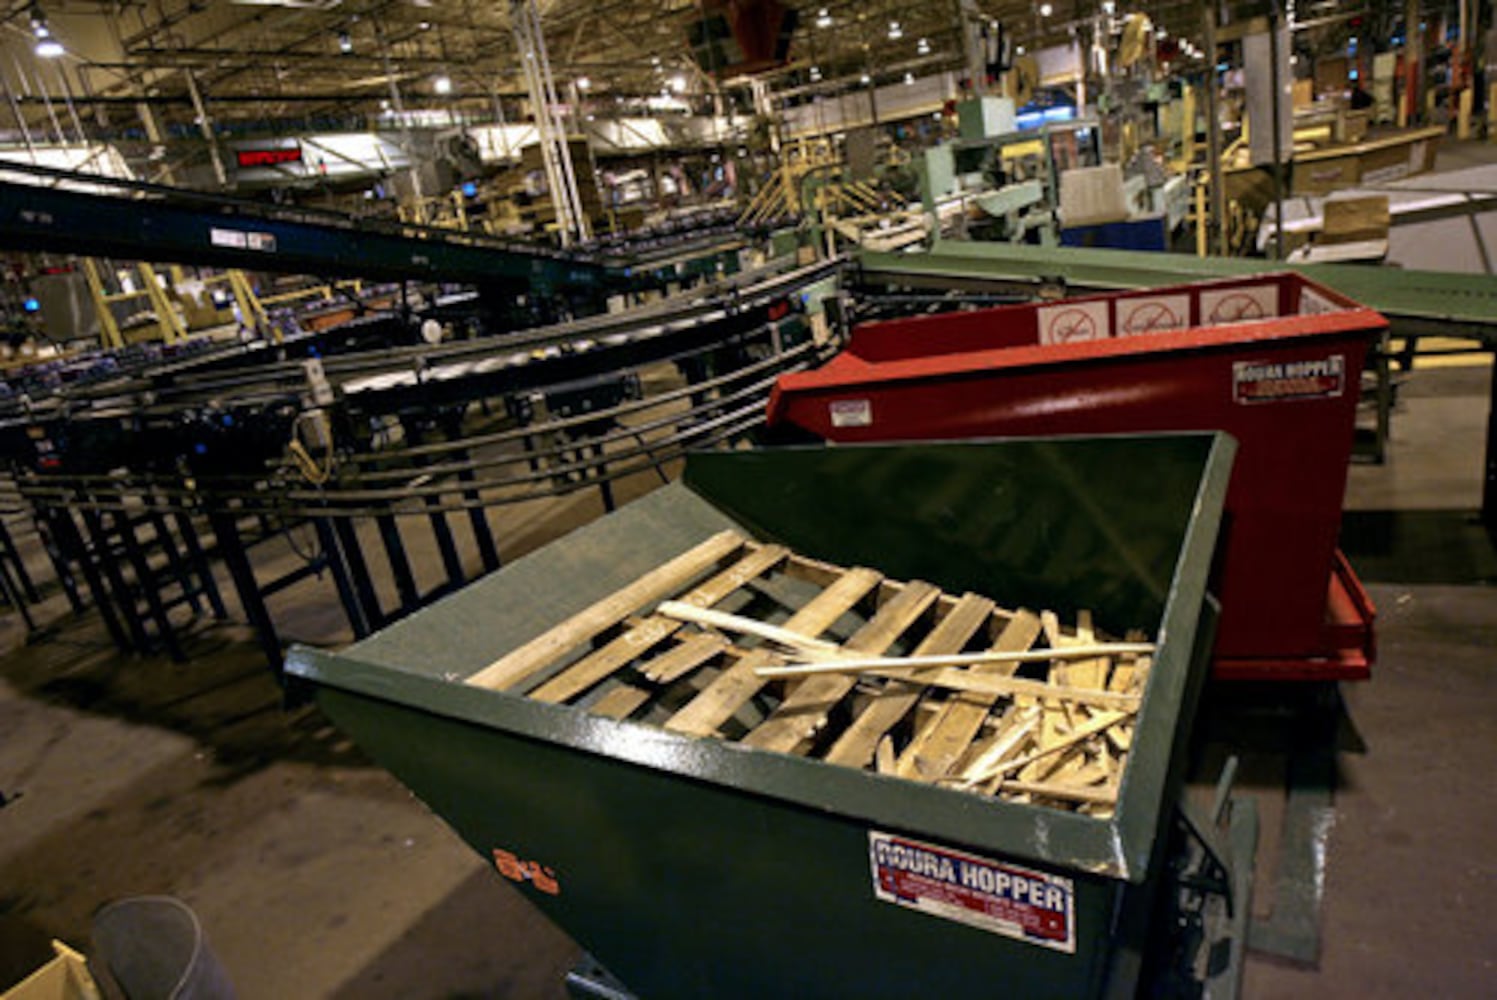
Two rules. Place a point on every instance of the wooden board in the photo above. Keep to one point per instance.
(805, 710)
(720, 700)
(621, 702)
(517, 666)
(858, 744)
(949, 736)
(684, 657)
(1059, 742)
(600, 663)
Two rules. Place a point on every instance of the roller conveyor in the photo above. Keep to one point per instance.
(162, 223)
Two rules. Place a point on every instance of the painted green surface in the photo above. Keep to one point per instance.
(1431, 296)
(693, 867)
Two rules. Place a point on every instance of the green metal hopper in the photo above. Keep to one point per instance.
(697, 867)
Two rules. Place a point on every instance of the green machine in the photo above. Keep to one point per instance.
(690, 866)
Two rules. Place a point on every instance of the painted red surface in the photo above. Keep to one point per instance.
(1290, 610)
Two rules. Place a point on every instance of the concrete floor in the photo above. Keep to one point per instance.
(317, 875)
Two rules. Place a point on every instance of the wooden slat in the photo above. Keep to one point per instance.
(820, 662)
(1089, 673)
(960, 720)
(987, 683)
(800, 645)
(856, 746)
(599, 664)
(621, 701)
(517, 666)
(822, 573)
(727, 693)
(804, 711)
(719, 700)
(1018, 726)
(1097, 725)
(683, 658)
(1104, 794)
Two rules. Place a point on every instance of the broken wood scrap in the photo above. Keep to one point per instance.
(730, 690)
(804, 711)
(834, 662)
(1103, 794)
(1097, 725)
(854, 746)
(943, 743)
(1011, 738)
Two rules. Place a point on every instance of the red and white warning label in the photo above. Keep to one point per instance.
(990, 895)
(1283, 381)
(1243, 304)
(1153, 314)
(1071, 322)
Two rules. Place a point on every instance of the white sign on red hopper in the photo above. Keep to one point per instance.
(1243, 304)
(990, 895)
(1153, 314)
(1071, 322)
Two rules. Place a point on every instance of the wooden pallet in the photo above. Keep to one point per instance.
(753, 643)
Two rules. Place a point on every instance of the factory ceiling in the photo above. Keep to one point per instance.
(267, 60)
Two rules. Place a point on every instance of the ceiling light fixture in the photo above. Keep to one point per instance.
(865, 79)
(895, 31)
(922, 47)
(678, 83)
(345, 42)
(442, 84)
(1046, 10)
(425, 25)
(823, 19)
(47, 47)
(815, 73)
(583, 83)
(909, 79)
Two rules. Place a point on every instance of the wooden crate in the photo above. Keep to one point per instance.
(755, 644)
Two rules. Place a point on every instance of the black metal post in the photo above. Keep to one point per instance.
(98, 547)
(1489, 485)
(452, 563)
(65, 531)
(400, 565)
(174, 559)
(478, 518)
(333, 552)
(358, 571)
(11, 553)
(53, 546)
(147, 582)
(200, 564)
(231, 548)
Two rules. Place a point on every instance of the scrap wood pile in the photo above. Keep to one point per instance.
(753, 643)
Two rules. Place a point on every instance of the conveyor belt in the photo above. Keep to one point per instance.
(1418, 301)
(63, 212)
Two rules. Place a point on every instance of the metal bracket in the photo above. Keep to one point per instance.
(588, 980)
(1216, 862)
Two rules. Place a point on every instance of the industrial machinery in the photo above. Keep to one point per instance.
(691, 865)
(144, 467)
